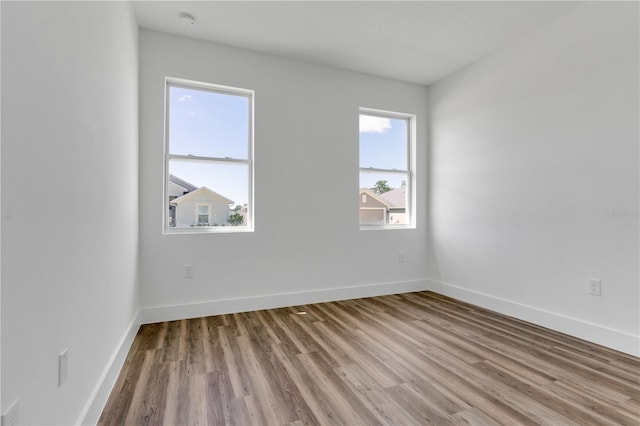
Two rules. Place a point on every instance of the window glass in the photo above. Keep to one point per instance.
(208, 124)
(383, 142)
(385, 169)
(208, 160)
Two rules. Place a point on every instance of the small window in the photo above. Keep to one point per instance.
(208, 158)
(386, 175)
(203, 215)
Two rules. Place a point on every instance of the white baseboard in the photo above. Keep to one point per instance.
(96, 402)
(253, 303)
(611, 338)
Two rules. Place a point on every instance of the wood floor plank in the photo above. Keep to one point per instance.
(286, 334)
(388, 409)
(218, 392)
(140, 410)
(313, 397)
(334, 390)
(275, 407)
(197, 413)
(473, 417)
(117, 406)
(234, 364)
(608, 413)
(159, 395)
(407, 359)
(378, 371)
(176, 407)
(362, 386)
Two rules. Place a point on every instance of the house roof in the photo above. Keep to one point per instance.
(375, 196)
(188, 187)
(396, 198)
(199, 191)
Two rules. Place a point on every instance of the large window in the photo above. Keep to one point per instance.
(386, 171)
(208, 158)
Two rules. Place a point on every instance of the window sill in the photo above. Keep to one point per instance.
(207, 230)
(384, 227)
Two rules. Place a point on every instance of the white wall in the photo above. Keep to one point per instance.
(1, 411)
(69, 142)
(306, 149)
(529, 150)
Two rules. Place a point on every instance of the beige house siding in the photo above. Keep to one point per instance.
(373, 216)
(216, 209)
(372, 210)
(370, 202)
(383, 209)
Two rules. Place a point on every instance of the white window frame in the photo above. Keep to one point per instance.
(249, 161)
(410, 172)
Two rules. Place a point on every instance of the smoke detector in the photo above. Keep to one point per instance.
(187, 19)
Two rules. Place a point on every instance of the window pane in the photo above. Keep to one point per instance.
(384, 198)
(383, 142)
(207, 194)
(203, 220)
(208, 124)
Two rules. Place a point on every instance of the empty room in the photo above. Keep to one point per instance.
(320, 212)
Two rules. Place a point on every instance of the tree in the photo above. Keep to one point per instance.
(381, 187)
(235, 219)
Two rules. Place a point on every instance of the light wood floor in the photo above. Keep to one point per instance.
(417, 358)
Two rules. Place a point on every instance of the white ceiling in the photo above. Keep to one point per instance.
(414, 41)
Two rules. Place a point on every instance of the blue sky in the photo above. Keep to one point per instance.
(209, 124)
(383, 145)
(383, 142)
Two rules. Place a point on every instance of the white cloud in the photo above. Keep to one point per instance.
(371, 124)
(184, 98)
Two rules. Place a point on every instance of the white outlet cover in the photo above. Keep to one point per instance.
(595, 287)
(188, 271)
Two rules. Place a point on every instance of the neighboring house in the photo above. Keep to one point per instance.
(177, 188)
(397, 201)
(202, 207)
(192, 206)
(388, 208)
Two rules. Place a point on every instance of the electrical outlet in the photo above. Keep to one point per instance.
(401, 257)
(12, 416)
(595, 287)
(63, 366)
(188, 271)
